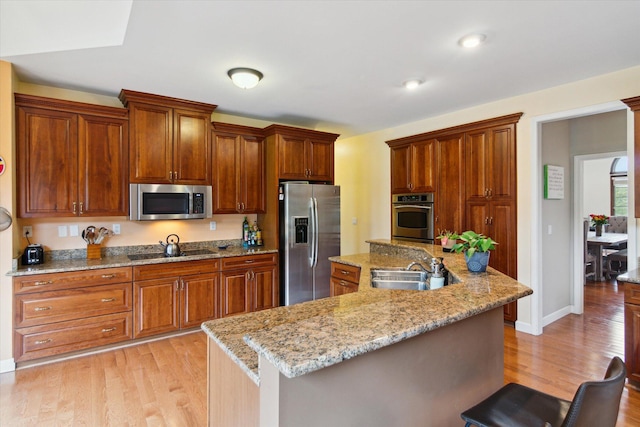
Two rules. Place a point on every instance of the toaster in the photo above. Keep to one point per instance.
(33, 254)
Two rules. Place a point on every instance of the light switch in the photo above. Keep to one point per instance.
(116, 228)
(549, 229)
(354, 220)
(73, 230)
(62, 231)
(212, 225)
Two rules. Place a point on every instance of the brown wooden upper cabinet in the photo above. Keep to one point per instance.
(170, 139)
(238, 169)
(490, 163)
(302, 154)
(72, 158)
(413, 167)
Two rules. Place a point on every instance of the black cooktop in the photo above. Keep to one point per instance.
(138, 257)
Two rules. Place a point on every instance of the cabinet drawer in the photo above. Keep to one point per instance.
(631, 293)
(72, 279)
(48, 340)
(175, 269)
(57, 306)
(247, 261)
(345, 272)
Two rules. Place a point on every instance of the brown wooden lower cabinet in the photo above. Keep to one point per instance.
(62, 312)
(57, 313)
(344, 279)
(174, 296)
(632, 332)
(248, 283)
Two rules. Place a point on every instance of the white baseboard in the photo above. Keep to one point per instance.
(550, 318)
(524, 327)
(7, 365)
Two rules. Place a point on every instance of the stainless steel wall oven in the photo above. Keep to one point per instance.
(413, 217)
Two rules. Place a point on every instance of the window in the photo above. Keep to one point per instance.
(619, 187)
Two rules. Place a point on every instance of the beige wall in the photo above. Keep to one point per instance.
(370, 202)
(8, 237)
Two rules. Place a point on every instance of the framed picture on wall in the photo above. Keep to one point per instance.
(553, 182)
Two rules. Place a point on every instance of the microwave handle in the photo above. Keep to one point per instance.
(412, 206)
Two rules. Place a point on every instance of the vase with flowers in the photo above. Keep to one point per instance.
(598, 220)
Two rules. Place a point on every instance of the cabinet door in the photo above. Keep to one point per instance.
(477, 218)
(191, 147)
(632, 341)
(226, 166)
(423, 166)
(103, 159)
(235, 297)
(341, 287)
(47, 145)
(151, 143)
(265, 288)
(476, 180)
(449, 197)
(400, 169)
(320, 160)
(502, 221)
(155, 307)
(291, 158)
(501, 168)
(252, 176)
(199, 299)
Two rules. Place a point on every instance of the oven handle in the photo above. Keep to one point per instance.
(413, 206)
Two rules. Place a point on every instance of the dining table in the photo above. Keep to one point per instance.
(599, 243)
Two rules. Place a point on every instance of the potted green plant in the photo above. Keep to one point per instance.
(447, 239)
(476, 247)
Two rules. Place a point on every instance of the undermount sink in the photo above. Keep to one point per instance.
(399, 279)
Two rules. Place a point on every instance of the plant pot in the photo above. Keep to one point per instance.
(478, 262)
(447, 244)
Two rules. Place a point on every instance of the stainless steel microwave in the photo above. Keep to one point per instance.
(151, 202)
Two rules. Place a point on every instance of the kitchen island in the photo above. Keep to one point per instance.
(376, 357)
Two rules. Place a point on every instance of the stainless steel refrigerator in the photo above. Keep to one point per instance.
(309, 235)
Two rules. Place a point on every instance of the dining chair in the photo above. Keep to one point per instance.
(589, 259)
(595, 403)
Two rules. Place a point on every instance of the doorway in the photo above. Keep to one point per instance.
(543, 265)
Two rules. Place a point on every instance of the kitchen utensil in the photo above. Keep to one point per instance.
(172, 248)
(102, 232)
(90, 234)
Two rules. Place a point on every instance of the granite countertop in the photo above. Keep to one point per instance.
(117, 257)
(632, 276)
(303, 338)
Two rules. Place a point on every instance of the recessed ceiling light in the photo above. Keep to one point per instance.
(472, 40)
(245, 78)
(412, 84)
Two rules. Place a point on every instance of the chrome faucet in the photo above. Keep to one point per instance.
(419, 264)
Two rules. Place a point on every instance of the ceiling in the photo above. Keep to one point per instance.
(336, 66)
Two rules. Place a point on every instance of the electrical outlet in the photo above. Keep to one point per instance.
(116, 228)
(62, 231)
(212, 225)
(27, 230)
(73, 230)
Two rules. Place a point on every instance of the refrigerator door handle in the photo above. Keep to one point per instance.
(313, 245)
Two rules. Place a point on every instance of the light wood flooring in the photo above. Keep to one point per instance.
(163, 383)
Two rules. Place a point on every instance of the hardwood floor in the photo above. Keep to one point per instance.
(163, 383)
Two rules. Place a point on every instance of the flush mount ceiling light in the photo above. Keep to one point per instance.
(472, 40)
(245, 78)
(412, 84)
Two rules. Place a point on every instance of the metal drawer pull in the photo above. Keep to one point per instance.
(248, 261)
(108, 276)
(46, 282)
(108, 299)
(40, 342)
(343, 283)
(346, 273)
(109, 329)
(42, 308)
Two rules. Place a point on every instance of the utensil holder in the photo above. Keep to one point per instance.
(93, 251)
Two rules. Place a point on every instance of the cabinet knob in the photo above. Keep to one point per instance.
(81, 208)
(74, 207)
